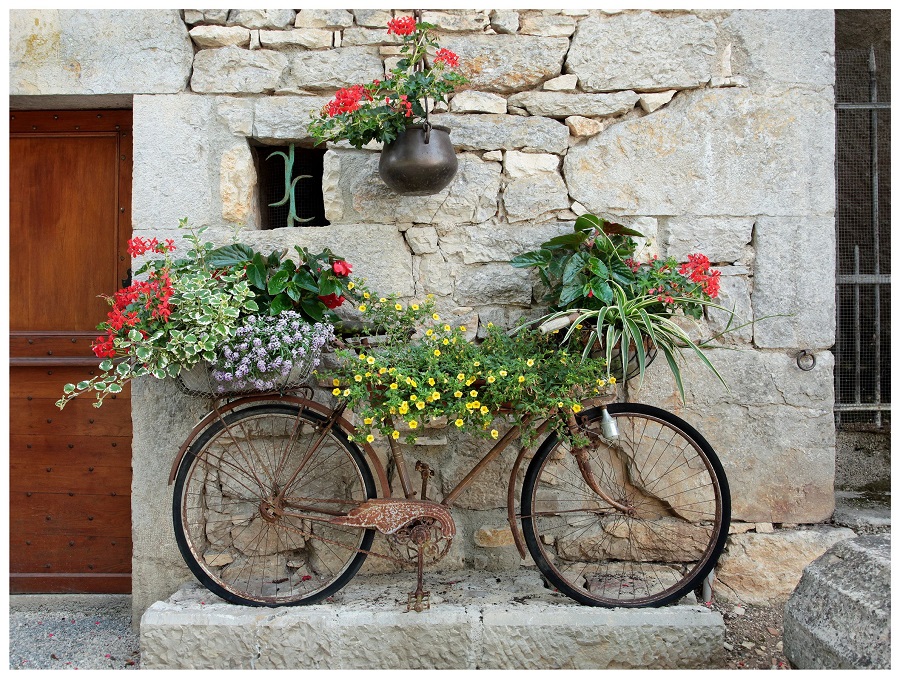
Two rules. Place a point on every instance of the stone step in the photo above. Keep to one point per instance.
(864, 512)
(476, 621)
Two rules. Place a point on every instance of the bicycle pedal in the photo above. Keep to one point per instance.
(418, 601)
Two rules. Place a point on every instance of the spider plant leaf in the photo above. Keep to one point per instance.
(673, 366)
(638, 339)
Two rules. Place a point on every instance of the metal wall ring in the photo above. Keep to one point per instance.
(806, 360)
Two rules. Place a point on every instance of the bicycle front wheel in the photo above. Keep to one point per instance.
(252, 500)
(666, 541)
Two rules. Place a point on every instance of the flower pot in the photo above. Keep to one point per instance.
(420, 161)
(199, 381)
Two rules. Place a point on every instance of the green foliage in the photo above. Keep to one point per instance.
(400, 384)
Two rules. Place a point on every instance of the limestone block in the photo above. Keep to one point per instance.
(331, 19)
(839, 617)
(722, 239)
(650, 101)
(232, 70)
(237, 185)
(172, 132)
(642, 51)
(494, 536)
(376, 251)
(724, 150)
(557, 25)
(580, 126)
(734, 294)
(284, 119)
(504, 21)
(261, 18)
(360, 195)
(457, 22)
(789, 46)
(497, 283)
(355, 36)
(83, 51)
(332, 69)
(237, 114)
(561, 104)
(794, 275)
(308, 38)
(220, 36)
(773, 429)
(470, 101)
(193, 16)
(763, 569)
(518, 164)
(373, 18)
(482, 243)
(422, 240)
(562, 83)
(533, 191)
(507, 63)
(494, 131)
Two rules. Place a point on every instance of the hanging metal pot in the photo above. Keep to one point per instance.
(420, 161)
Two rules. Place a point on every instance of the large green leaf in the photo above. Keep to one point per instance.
(535, 258)
(231, 255)
(280, 303)
(571, 291)
(304, 279)
(574, 266)
(572, 240)
(313, 308)
(278, 282)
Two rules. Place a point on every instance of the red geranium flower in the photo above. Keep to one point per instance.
(401, 26)
(342, 268)
(332, 301)
(445, 56)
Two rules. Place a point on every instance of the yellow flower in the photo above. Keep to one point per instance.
(576, 408)
(473, 393)
(368, 374)
(612, 380)
(453, 341)
(336, 382)
(436, 317)
(383, 299)
(413, 398)
(393, 385)
(458, 394)
(559, 404)
(431, 381)
(430, 295)
(491, 379)
(503, 373)
(370, 438)
(521, 378)
(437, 352)
(404, 408)
(578, 327)
(429, 332)
(414, 307)
(358, 378)
(366, 295)
(367, 420)
(395, 434)
(459, 423)
(484, 410)
(462, 328)
(461, 376)
(601, 383)
(382, 371)
(447, 328)
(336, 391)
(351, 285)
(490, 325)
(446, 341)
(412, 424)
(435, 396)
(398, 307)
(494, 433)
(370, 360)
(346, 392)
(529, 362)
(349, 437)
(420, 405)
(476, 363)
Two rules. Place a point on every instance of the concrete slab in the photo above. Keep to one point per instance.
(476, 621)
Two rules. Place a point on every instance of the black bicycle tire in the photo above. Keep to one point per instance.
(198, 443)
(685, 585)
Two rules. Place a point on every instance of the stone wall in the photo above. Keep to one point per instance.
(706, 130)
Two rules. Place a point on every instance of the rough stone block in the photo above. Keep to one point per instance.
(561, 104)
(772, 415)
(839, 617)
(237, 186)
(494, 131)
(788, 46)
(232, 70)
(422, 240)
(580, 126)
(206, 37)
(332, 69)
(280, 120)
(562, 83)
(504, 21)
(356, 36)
(722, 239)
(650, 101)
(331, 19)
(531, 196)
(724, 151)
(507, 63)
(373, 18)
(793, 255)
(470, 101)
(626, 51)
(353, 191)
(481, 243)
(764, 568)
(556, 25)
(499, 283)
(83, 51)
(237, 115)
(307, 38)
(457, 22)
(261, 18)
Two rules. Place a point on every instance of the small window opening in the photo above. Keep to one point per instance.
(272, 165)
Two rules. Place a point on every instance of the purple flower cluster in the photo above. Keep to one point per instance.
(265, 350)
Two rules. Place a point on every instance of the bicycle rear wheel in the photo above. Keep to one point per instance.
(653, 555)
(234, 498)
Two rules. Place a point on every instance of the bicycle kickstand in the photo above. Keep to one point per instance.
(420, 600)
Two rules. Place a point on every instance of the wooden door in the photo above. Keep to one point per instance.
(70, 470)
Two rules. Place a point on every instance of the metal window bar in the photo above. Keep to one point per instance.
(854, 397)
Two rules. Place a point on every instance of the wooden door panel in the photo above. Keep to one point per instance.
(70, 470)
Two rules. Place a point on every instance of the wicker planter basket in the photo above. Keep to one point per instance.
(198, 381)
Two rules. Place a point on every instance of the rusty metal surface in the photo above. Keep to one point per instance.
(389, 515)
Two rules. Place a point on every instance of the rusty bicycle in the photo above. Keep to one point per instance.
(275, 504)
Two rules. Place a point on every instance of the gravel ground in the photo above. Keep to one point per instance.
(94, 632)
(71, 632)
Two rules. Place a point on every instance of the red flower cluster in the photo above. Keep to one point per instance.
(445, 56)
(346, 100)
(401, 26)
(138, 246)
(342, 268)
(697, 269)
(404, 103)
(151, 295)
(332, 301)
